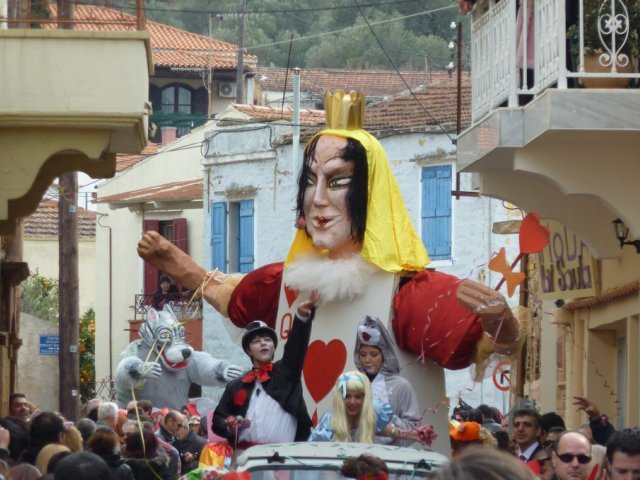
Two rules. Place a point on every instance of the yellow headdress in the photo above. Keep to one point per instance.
(390, 241)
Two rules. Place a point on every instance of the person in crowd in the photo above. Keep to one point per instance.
(72, 438)
(280, 413)
(623, 455)
(105, 443)
(469, 434)
(82, 466)
(17, 443)
(571, 457)
(190, 446)
(131, 427)
(146, 460)
(356, 416)
(167, 292)
(552, 435)
(526, 431)
(543, 457)
(489, 419)
(364, 467)
(92, 408)
(47, 453)
(484, 464)
(46, 428)
(504, 442)
(375, 356)
(194, 424)
(19, 407)
(548, 421)
(108, 415)
(601, 428)
(171, 423)
(24, 471)
(86, 427)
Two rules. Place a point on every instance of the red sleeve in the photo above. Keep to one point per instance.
(431, 323)
(256, 296)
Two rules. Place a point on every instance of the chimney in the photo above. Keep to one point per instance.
(169, 134)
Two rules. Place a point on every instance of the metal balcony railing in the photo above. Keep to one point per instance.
(502, 51)
(179, 303)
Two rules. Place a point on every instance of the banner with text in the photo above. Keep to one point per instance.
(565, 267)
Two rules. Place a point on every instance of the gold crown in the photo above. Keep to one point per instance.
(344, 111)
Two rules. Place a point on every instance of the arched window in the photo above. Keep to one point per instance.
(176, 98)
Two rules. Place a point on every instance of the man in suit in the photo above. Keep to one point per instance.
(526, 431)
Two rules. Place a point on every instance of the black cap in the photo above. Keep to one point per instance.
(258, 327)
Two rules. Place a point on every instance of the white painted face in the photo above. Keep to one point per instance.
(325, 199)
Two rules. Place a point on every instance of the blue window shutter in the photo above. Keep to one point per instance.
(436, 211)
(245, 248)
(219, 236)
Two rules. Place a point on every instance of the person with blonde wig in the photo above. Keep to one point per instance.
(356, 416)
(47, 453)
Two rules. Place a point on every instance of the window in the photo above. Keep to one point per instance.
(177, 99)
(173, 230)
(232, 236)
(436, 211)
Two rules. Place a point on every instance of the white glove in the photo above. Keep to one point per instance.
(231, 372)
(150, 370)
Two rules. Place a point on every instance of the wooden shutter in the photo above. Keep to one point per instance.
(436, 211)
(150, 272)
(180, 238)
(219, 236)
(245, 237)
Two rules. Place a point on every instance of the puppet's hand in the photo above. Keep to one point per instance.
(150, 370)
(231, 372)
(497, 320)
(153, 244)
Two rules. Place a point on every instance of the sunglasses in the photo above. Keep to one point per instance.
(568, 458)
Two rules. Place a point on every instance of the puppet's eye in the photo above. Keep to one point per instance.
(180, 331)
(311, 180)
(165, 335)
(340, 182)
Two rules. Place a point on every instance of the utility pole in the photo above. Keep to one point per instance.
(69, 357)
(240, 61)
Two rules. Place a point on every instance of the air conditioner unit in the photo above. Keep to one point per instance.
(227, 89)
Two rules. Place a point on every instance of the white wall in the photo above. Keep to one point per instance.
(42, 254)
(174, 163)
(274, 181)
(38, 375)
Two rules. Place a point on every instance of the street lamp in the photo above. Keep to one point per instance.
(622, 231)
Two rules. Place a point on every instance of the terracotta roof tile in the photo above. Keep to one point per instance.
(124, 161)
(171, 46)
(270, 114)
(185, 190)
(374, 83)
(43, 223)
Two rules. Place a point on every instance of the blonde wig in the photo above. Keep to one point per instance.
(73, 439)
(47, 453)
(353, 381)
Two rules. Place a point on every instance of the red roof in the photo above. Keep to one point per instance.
(374, 83)
(43, 223)
(185, 190)
(269, 114)
(171, 46)
(124, 160)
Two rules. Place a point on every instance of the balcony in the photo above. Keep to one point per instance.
(70, 100)
(540, 141)
(180, 303)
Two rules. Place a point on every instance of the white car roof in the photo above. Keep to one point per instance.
(333, 454)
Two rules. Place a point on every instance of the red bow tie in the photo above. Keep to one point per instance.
(262, 374)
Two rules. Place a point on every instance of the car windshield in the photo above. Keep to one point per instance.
(302, 473)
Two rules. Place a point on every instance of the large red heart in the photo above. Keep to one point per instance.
(322, 366)
(533, 236)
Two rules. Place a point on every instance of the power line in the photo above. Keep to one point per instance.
(370, 25)
(256, 12)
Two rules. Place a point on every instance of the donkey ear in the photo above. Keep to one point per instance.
(169, 310)
(152, 315)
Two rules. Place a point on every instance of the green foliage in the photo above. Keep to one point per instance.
(409, 35)
(41, 297)
(87, 343)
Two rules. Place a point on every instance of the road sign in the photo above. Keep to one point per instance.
(49, 344)
(502, 375)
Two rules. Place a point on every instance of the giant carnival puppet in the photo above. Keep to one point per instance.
(356, 245)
